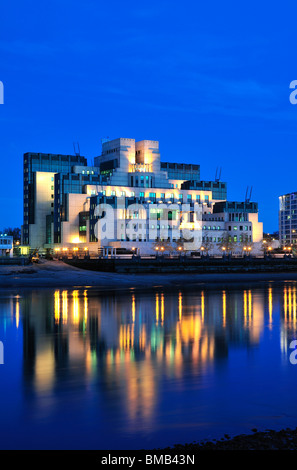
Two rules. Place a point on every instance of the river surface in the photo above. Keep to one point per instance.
(88, 370)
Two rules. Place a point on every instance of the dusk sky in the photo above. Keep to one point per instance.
(209, 80)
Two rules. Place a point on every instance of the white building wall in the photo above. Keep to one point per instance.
(44, 191)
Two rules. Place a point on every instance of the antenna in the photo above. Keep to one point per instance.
(76, 150)
(218, 174)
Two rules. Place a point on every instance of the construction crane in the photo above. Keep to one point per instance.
(248, 195)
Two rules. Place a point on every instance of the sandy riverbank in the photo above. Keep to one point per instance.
(51, 274)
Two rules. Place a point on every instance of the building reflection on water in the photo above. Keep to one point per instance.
(288, 317)
(126, 344)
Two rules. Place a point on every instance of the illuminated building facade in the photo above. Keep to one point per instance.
(148, 199)
(6, 245)
(288, 219)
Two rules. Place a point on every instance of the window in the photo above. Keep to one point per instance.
(141, 194)
(206, 198)
(112, 193)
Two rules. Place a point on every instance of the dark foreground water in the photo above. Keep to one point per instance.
(142, 370)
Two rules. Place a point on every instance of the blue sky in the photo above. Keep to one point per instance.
(209, 80)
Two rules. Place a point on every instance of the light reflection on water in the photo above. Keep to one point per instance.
(143, 370)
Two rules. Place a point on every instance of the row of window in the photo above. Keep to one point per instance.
(235, 239)
(154, 195)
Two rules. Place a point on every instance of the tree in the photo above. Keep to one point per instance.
(206, 245)
(245, 244)
(179, 245)
(267, 243)
(226, 244)
(163, 246)
(15, 232)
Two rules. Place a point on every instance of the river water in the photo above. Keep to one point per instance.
(88, 370)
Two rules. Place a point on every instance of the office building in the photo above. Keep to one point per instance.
(288, 219)
(129, 199)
